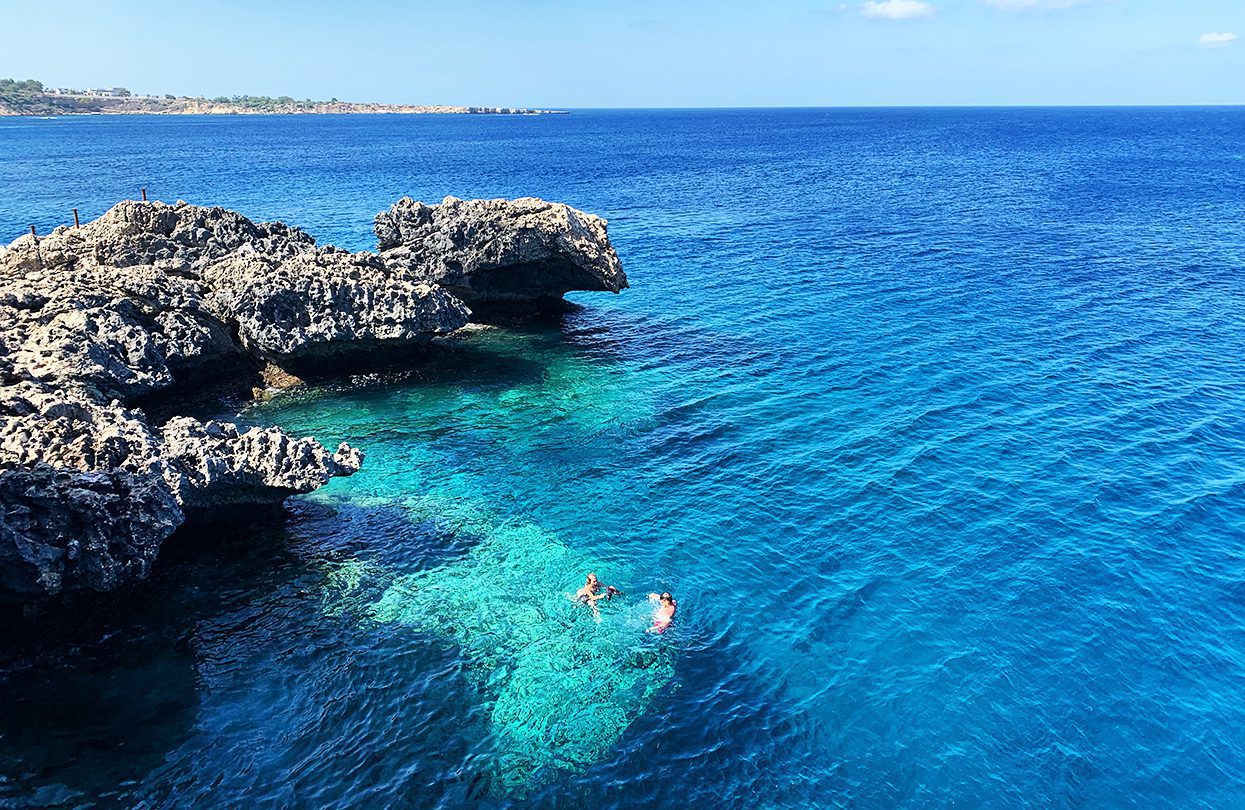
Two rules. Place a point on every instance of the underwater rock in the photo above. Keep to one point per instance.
(562, 684)
(525, 251)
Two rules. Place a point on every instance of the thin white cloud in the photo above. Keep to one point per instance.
(1213, 40)
(1028, 4)
(897, 9)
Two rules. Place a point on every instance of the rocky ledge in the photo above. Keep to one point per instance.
(153, 301)
(500, 252)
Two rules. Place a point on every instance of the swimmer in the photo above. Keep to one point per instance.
(663, 613)
(592, 593)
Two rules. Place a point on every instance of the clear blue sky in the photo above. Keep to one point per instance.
(643, 53)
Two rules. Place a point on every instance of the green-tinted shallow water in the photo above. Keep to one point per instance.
(448, 447)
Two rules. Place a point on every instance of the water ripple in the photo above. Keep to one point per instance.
(931, 419)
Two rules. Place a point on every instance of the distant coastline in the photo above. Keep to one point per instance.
(31, 97)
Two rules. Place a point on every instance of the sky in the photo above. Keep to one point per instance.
(643, 53)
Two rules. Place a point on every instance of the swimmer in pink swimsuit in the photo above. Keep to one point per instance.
(663, 614)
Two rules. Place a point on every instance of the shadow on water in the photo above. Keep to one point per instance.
(113, 698)
(96, 690)
(487, 359)
(499, 351)
(77, 722)
(521, 351)
(329, 530)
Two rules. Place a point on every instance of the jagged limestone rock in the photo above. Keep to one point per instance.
(68, 530)
(152, 295)
(520, 251)
(154, 299)
(89, 492)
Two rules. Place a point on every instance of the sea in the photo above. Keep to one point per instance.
(931, 420)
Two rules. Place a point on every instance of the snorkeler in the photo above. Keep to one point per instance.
(663, 613)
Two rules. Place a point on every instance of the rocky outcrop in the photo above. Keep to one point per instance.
(90, 492)
(64, 530)
(500, 251)
(330, 304)
(152, 295)
(154, 299)
(148, 299)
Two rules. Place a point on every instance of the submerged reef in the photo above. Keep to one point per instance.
(103, 325)
(561, 684)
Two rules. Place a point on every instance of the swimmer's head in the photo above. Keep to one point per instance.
(667, 598)
(592, 579)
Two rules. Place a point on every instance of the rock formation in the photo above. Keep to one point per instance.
(90, 491)
(500, 251)
(154, 299)
(150, 295)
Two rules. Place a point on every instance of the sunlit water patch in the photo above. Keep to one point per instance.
(561, 682)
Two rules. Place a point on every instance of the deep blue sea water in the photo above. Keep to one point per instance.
(932, 420)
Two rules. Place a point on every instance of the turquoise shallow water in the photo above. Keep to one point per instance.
(931, 419)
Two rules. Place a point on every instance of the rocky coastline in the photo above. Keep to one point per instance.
(152, 302)
(144, 105)
(30, 97)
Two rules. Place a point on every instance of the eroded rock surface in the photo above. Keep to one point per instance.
(70, 530)
(153, 295)
(500, 251)
(90, 491)
(147, 299)
(154, 299)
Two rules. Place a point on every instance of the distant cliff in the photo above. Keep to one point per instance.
(30, 97)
